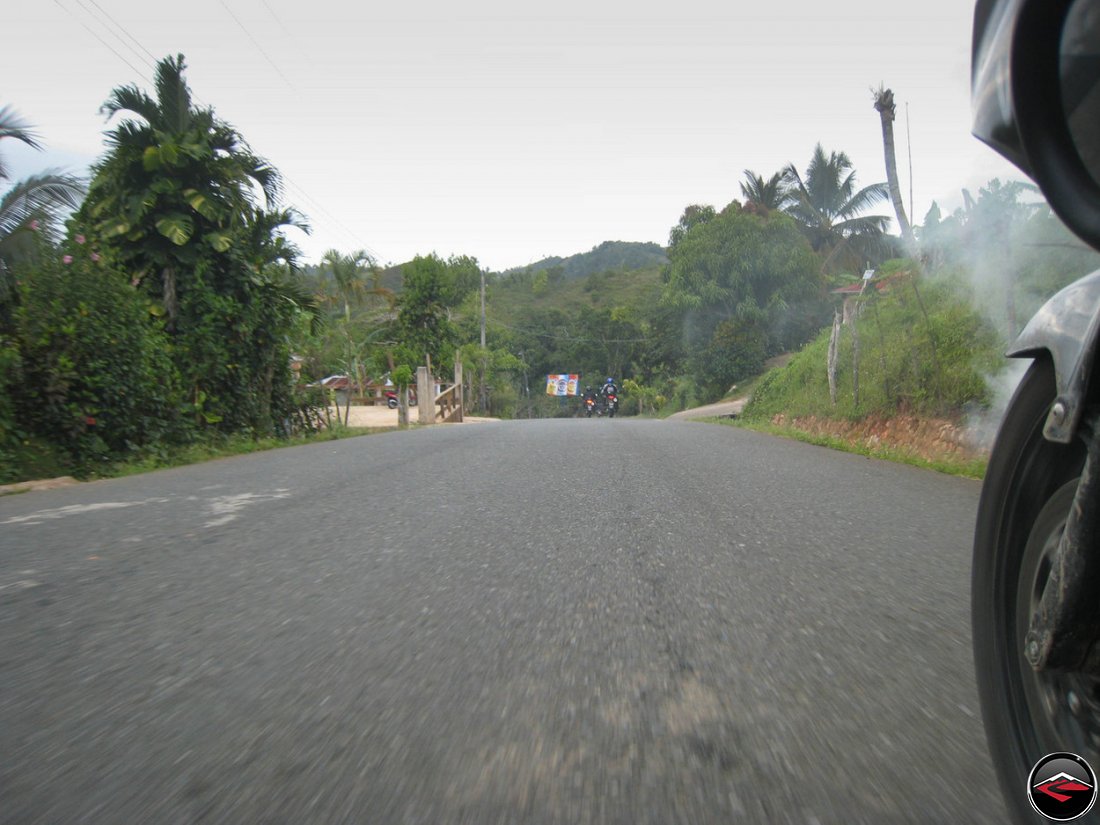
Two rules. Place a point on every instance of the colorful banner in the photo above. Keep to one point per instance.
(562, 384)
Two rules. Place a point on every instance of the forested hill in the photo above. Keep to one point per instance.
(610, 255)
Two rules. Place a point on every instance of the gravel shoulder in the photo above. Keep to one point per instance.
(382, 416)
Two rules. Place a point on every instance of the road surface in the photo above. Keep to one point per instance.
(563, 621)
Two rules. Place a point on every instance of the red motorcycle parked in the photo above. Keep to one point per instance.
(392, 401)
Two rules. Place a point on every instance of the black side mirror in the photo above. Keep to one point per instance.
(1036, 98)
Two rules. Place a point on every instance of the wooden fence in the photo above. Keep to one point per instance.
(445, 406)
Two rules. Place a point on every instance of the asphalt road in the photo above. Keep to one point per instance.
(563, 621)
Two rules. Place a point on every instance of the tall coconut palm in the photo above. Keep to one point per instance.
(44, 197)
(884, 105)
(771, 194)
(829, 207)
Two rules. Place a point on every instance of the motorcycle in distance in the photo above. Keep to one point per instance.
(600, 405)
(611, 404)
(1035, 587)
(392, 400)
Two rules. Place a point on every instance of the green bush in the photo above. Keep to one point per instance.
(97, 379)
(921, 348)
(231, 351)
(736, 351)
(11, 433)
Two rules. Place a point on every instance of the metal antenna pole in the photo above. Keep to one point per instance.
(909, 146)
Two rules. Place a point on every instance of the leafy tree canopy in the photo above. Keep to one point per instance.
(191, 216)
(740, 264)
(423, 324)
(693, 216)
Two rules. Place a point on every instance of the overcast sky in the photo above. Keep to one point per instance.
(512, 131)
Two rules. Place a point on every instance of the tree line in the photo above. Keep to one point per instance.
(160, 302)
(152, 304)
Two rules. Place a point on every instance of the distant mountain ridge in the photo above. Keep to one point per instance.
(610, 255)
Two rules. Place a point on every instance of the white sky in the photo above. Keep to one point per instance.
(511, 131)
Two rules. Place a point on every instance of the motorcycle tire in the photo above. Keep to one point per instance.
(391, 403)
(1027, 493)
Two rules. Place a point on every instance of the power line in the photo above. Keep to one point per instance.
(259, 48)
(276, 18)
(152, 56)
(151, 60)
(348, 233)
(94, 34)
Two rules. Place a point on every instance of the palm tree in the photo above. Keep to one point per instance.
(348, 271)
(44, 197)
(828, 206)
(771, 194)
(884, 105)
(176, 185)
(190, 213)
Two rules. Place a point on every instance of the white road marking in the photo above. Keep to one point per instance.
(228, 508)
(224, 508)
(77, 509)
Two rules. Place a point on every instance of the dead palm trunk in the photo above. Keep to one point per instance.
(884, 105)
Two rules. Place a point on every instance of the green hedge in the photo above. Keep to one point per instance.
(96, 375)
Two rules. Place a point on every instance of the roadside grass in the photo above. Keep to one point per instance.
(964, 467)
(33, 458)
(42, 463)
(227, 448)
(923, 354)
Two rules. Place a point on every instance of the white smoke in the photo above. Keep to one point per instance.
(982, 423)
(1012, 255)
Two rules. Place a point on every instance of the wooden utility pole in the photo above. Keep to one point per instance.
(460, 399)
(484, 355)
(830, 362)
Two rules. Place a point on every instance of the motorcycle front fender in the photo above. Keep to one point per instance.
(1067, 327)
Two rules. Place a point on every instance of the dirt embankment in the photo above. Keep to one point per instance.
(932, 439)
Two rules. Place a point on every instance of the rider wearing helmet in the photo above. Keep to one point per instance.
(588, 401)
(610, 397)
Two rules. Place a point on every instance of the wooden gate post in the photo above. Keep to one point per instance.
(458, 389)
(425, 396)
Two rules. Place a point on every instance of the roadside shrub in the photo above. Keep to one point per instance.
(736, 351)
(921, 348)
(11, 435)
(97, 379)
(307, 407)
